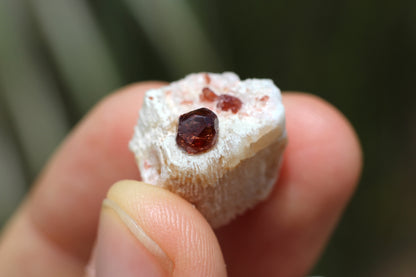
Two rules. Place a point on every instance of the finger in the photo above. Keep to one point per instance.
(57, 224)
(148, 231)
(284, 235)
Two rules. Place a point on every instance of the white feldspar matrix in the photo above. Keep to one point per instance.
(214, 139)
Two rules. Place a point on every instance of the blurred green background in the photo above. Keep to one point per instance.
(59, 57)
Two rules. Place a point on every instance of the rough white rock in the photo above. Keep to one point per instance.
(239, 170)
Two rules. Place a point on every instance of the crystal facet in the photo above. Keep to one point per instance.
(208, 95)
(197, 131)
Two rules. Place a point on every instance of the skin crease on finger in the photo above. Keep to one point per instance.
(294, 223)
(174, 224)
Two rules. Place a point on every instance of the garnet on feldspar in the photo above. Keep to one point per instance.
(227, 102)
(197, 131)
(208, 95)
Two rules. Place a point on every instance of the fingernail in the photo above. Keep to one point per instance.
(124, 248)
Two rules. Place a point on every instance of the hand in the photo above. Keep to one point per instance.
(147, 231)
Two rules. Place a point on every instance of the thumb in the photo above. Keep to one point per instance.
(148, 231)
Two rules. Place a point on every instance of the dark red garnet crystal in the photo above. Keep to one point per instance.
(197, 131)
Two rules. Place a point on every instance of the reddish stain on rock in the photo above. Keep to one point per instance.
(208, 95)
(197, 131)
(146, 165)
(264, 98)
(187, 102)
(207, 78)
(227, 102)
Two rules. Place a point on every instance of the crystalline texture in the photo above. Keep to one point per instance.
(197, 131)
(208, 95)
(227, 102)
(239, 169)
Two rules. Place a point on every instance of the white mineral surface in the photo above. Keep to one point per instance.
(239, 170)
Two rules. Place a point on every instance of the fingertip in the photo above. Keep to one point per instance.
(123, 249)
(131, 90)
(322, 141)
(174, 225)
(321, 166)
(118, 112)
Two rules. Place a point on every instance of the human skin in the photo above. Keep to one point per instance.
(148, 231)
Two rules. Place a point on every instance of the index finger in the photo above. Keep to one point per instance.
(62, 211)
